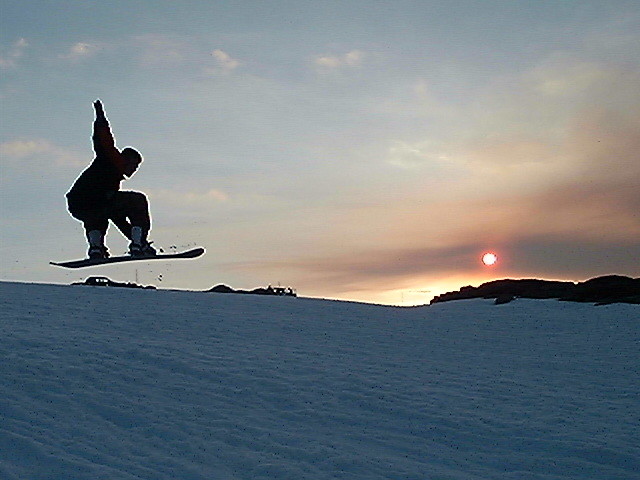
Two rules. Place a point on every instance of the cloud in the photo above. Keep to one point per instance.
(18, 149)
(225, 63)
(566, 258)
(354, 58)
(38, 149)
(416, 155)
(541, 165)
(13, 53)
(562, 75)
(564, 206)
(385, 265)
(81, 51)
(560, 256)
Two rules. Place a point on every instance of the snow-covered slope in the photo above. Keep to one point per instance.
(99, 383)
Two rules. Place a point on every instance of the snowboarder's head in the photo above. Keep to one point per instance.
(132, 159)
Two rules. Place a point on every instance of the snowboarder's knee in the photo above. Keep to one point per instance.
(133, 198)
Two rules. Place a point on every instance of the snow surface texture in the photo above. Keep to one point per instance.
(99, 383)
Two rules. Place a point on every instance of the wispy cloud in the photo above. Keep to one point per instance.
(18, 149)
(558, 201)
(81, 51)
(10, 57)
(416, 155)
(225, 63)
(562, 75)
(354, 58)
(24, 151)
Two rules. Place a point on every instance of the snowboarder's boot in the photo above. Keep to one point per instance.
(141, 250)
(139, 246)
(98, 252)
(97, 248)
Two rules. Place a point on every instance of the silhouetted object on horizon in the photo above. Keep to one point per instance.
(600, 290)
(106, 282)
(95, 197)
(276, 291)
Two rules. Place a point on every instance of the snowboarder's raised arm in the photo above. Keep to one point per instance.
(103, 142)
(102, 137)
(99, 109)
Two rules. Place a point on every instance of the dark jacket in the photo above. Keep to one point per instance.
(97, 184)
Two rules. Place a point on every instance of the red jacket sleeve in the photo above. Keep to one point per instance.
(104, 145)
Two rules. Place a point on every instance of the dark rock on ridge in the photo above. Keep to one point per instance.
(600, 290)
(277, 291)
(107, 282)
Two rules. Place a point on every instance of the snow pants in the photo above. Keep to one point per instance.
(124, 209)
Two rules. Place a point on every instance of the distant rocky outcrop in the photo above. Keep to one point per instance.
(600, 290)
(277, 291)
(107, 282)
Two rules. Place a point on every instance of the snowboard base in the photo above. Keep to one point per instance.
(92, 262)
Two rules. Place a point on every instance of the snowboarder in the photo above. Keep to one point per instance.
(95, 197)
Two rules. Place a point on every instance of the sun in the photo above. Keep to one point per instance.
(489, 259)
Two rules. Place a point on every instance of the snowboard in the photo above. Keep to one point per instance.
(92, 262)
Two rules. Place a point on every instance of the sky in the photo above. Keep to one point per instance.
(358, 150)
